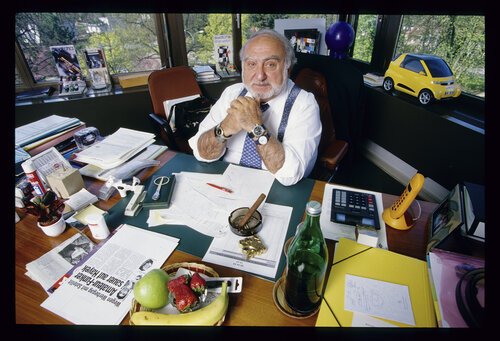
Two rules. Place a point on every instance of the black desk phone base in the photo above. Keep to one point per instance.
(354, 208)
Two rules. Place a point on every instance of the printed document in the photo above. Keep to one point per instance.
(47, 126)
(116, 148)
(51, 266)
(100, 291)
(212, 206)
(378, 298)
(226, 250)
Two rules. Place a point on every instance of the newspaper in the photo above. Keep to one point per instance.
(99, 290)
(51, 266)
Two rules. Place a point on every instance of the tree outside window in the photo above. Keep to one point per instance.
(459, 40)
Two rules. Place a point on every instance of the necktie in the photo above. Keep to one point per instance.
(250, 157)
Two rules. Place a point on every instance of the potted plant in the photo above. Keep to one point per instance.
(48, 209)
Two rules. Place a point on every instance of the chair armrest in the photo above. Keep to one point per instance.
(158, 119)
(333, 154)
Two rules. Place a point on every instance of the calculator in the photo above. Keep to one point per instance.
(354, 208)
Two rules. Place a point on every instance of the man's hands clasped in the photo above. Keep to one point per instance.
(243, 114)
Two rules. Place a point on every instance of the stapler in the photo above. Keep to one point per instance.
(135, 202)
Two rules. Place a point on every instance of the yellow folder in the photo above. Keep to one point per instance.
(377, 264)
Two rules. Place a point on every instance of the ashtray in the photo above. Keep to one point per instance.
(253, 226)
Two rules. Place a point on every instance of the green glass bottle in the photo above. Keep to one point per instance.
(307, 261)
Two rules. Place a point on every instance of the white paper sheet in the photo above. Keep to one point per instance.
(227, 252)
(378, 298)
(205, 208)
(335, 231)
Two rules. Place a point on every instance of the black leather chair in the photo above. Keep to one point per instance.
(171, 83)
(331, 150)
(343, 89)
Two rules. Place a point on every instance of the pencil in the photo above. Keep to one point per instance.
(220, 187)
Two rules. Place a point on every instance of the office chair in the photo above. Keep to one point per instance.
(171, 83)
(331, 150)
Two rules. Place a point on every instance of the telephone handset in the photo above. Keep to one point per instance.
(395, 216)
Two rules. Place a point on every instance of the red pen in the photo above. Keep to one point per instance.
(220, 187)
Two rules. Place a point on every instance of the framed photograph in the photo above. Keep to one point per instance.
(95, 58)
(66, 60)
(446, 218)
(98, 71)
(304, 40)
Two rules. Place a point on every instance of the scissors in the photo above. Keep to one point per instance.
(159, 181)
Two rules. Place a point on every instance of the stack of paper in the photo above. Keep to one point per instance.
(49, 126)
(116, 148)
(205, 73)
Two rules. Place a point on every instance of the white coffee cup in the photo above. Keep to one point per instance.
(98, 226)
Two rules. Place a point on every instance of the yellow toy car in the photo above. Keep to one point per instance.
(426, 77)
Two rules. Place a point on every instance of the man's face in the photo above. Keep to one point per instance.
(264, 71)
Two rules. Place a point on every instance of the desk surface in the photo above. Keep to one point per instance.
(253, 307)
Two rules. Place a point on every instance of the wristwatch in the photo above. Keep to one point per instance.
(259, 134)
(219, 134)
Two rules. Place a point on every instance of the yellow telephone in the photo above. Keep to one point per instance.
(395, 216)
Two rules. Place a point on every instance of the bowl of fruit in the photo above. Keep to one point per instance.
(177, 295)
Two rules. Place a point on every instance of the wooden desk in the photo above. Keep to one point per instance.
(253, 307)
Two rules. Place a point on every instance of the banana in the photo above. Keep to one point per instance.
(207, 316)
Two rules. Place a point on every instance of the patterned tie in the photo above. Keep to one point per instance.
(250, 157)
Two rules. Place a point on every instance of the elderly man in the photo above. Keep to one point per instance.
(266, 122)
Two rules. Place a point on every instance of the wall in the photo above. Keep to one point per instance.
(437, 147)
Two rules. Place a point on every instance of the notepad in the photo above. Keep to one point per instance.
(354, 259)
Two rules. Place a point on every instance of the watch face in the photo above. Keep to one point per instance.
(263, 139)
(218, 131)
(258, 130)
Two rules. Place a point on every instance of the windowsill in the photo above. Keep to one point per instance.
(464, 110)
(114, 90)
(89, 93)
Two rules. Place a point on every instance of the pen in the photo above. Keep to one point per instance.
(220, 187)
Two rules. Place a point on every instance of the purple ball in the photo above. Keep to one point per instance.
(339, 39)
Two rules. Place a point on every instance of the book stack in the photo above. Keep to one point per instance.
(205, 73)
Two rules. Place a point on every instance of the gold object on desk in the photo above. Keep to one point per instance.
(252, 246)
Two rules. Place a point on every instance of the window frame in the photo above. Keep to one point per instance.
(172, 44)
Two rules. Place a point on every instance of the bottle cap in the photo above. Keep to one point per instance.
(313, 208)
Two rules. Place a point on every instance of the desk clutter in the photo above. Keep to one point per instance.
(186, 206)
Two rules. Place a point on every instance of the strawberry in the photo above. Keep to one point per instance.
(197, 284)
(185, 298)
(174, 283)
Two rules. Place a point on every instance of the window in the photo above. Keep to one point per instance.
(459, 40)
(412, 64)
(129, 40)
(365, 37)
(254, 22)
(200, 30)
